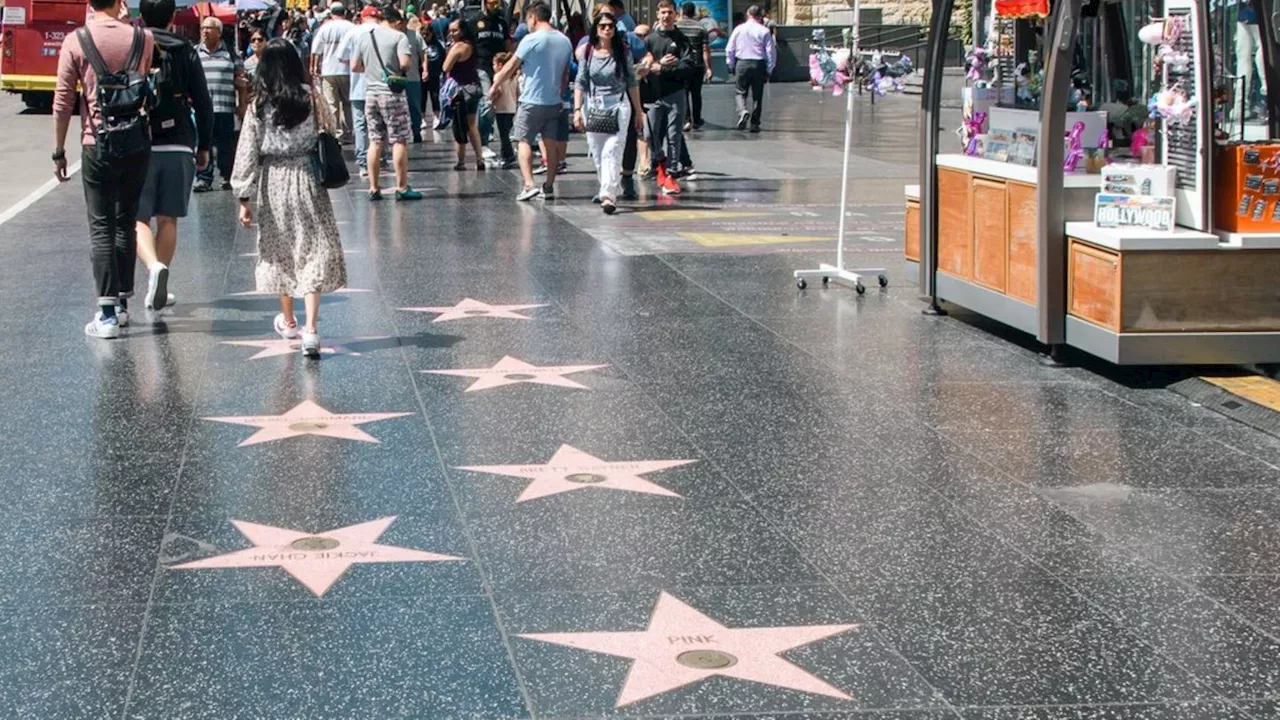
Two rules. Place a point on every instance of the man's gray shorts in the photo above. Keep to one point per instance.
(534, 120)
(168, 187)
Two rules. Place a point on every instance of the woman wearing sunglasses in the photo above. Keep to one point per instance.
(605, 100)
(257, 41)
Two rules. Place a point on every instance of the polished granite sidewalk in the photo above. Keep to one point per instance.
(552, 467)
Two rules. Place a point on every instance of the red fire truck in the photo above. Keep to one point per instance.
(32, 32)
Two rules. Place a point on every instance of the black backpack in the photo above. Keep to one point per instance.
(169, 68)
(124, 100)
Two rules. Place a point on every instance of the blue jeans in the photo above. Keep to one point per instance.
(362, 133)
(413, 93)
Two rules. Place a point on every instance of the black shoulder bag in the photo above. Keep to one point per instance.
(331, 168)
(597, 119)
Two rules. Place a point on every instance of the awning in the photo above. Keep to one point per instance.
(1022, 8)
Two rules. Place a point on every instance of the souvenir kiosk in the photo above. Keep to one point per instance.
(1170, 256)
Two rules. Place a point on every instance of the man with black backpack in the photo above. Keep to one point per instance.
(180, 90)
(109, 60)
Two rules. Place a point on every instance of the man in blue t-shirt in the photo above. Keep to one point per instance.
(543, 56)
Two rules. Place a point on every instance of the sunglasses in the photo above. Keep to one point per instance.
(602, 26)
(257, 40)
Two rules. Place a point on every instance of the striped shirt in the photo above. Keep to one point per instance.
(220, 68)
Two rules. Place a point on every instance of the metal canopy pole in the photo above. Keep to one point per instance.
(1051, 244)
(930, 107)
(825, 272)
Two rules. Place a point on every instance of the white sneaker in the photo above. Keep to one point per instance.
(107, 328)
(284, 329)
(529, 193)
(122, 317)
(488, 154)
(158, 289)
(311, 344)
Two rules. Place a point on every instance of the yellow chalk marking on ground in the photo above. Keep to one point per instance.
(1254, 388)
(676, 215)
(730, 239)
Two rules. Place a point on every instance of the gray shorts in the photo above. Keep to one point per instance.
(167, 189)
(534, 120)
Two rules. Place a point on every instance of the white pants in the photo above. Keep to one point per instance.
(1248, 57)
(606, 153)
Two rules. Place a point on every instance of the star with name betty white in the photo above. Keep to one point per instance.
(469, 308)
(682, 646)
(510, 371)
(572, 469)
(308, 418)
(316, 560)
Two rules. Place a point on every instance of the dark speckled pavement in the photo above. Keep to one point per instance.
(675, 487)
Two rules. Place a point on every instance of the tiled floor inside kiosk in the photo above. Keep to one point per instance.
(560, 465)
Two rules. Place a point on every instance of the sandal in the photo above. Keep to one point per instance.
(460, 166)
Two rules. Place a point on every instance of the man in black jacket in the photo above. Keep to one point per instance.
(180, 89)
(670, 61)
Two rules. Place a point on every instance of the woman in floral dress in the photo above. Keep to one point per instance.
(299, 252)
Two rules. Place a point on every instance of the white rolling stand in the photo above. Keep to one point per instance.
(856, 277)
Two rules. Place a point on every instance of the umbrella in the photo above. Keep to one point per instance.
(250, 5)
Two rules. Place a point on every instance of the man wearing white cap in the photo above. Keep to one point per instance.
(335, 77)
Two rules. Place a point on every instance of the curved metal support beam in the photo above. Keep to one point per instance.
(1051, 243)
(930, 107)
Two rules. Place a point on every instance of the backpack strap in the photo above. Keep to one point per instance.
(91, 52)
(135, 51)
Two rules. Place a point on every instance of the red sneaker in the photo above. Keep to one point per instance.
(666, 183)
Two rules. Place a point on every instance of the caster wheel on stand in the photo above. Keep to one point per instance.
(825, 280)
(802, 284)
(860, 288)
(884, 280)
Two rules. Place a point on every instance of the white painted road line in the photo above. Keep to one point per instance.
(38, 193)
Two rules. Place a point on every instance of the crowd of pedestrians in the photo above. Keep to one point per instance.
(172, 115)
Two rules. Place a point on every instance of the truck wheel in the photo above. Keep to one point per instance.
(38, 101)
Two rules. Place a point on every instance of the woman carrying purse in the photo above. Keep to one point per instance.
(606, 98)
(299, 250)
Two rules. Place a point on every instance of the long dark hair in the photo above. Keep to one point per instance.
(617, 48)
(467, 33)
(280, 84)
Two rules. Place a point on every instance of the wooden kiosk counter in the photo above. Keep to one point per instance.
(1018, 243)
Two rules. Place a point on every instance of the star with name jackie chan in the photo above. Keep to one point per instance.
(571, 469)
(469, 308)
(317, 560)
(308, 418)
(511, 371)
(682, 646)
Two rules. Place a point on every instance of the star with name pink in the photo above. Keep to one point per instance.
(510, 371)
(682, 646)
(469, 308)
(274, 347)
(308, 418)
(316, 560)
(571, 469)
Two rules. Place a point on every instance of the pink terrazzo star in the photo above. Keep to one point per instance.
(469, 308)
(308, 418)
(315, 560)
(510, 371)
(682, 646)
(571, 469)
(280, 346)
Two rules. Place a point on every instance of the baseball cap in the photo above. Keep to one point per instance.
(338, 8)
(370, 12)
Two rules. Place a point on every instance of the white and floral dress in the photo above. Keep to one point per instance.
(299, 250)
